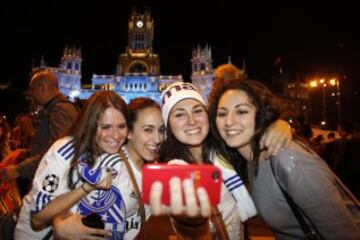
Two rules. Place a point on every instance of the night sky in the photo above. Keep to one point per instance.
(312, 40)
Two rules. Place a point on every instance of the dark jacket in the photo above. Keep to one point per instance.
(52, 122)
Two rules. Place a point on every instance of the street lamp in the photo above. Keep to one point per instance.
(324, 83)
(336, 82)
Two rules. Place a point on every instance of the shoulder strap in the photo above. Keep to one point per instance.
(298, 212)
(137, 191)
(218, 221)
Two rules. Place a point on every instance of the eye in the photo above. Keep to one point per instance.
(148, 130)
(221, 114)
(199, 110)
(178, 115)
(162, 130)
(241, 112)
(105, 127)
(122, 126)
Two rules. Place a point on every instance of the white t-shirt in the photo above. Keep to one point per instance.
(117, 207)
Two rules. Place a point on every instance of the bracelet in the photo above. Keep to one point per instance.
(84, 189)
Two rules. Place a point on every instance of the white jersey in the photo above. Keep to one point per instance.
(117, 207)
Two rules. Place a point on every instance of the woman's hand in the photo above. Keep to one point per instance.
(189, 219)
(105, 184)
(71, 227)
(196, 201)
(277, 135)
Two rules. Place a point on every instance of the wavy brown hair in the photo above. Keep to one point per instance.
(84, 128)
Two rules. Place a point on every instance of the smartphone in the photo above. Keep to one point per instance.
(93, 220)
(206, 176)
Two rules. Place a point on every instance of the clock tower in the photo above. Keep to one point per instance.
(139, 58)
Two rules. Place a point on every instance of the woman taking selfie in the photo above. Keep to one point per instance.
(296, 178)
(185, 114)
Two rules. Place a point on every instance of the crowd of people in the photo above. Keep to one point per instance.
(85, 162)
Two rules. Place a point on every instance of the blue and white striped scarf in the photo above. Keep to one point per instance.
(236, 187)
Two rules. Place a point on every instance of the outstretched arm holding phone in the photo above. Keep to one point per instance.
(190, 217)
(189, 207)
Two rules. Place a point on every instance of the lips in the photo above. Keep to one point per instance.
(152, 149)
(193, 131)
(232, 132)
(113, 144)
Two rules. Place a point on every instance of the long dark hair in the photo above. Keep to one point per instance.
(267, 112)
(84, 128)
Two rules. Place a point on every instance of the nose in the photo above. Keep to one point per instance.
(191, 119)
(158, 137)
(116, 133)
(229, 119)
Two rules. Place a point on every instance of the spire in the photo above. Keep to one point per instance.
(42, 61)
(147, 13)
(278, 63)
(33, 63)
(78, 52)
(133, 12)
(73, 50)
(229, 60)
(66, 49)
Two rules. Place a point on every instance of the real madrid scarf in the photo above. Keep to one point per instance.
(96, 175)
(236, 187)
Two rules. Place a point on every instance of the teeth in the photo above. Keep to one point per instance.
(154, 148)
(193, 131)
(113, 144)
(232, 132)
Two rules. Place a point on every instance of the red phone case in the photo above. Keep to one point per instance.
(206, 176)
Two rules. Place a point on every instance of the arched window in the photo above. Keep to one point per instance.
(137, 68)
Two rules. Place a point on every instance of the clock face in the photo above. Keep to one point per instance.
(139, 24)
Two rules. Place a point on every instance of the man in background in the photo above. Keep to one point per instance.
(53, 120)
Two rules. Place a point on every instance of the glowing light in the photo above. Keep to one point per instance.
(313, 84)
(332, 82)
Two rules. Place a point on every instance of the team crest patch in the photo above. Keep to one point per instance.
(50, 183)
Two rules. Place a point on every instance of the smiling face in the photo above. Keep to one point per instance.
(235, 120)
(111, 130)
(147, 135)
(189, 122)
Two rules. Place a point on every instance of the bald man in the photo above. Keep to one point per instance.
(227, 72)
(53, 120)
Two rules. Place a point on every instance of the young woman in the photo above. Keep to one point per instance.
(82, 173)
(240, 112)
(146, 133)
(186, 117)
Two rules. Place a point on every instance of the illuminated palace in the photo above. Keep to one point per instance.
(138, 68)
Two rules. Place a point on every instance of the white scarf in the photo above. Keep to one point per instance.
(236, 187)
